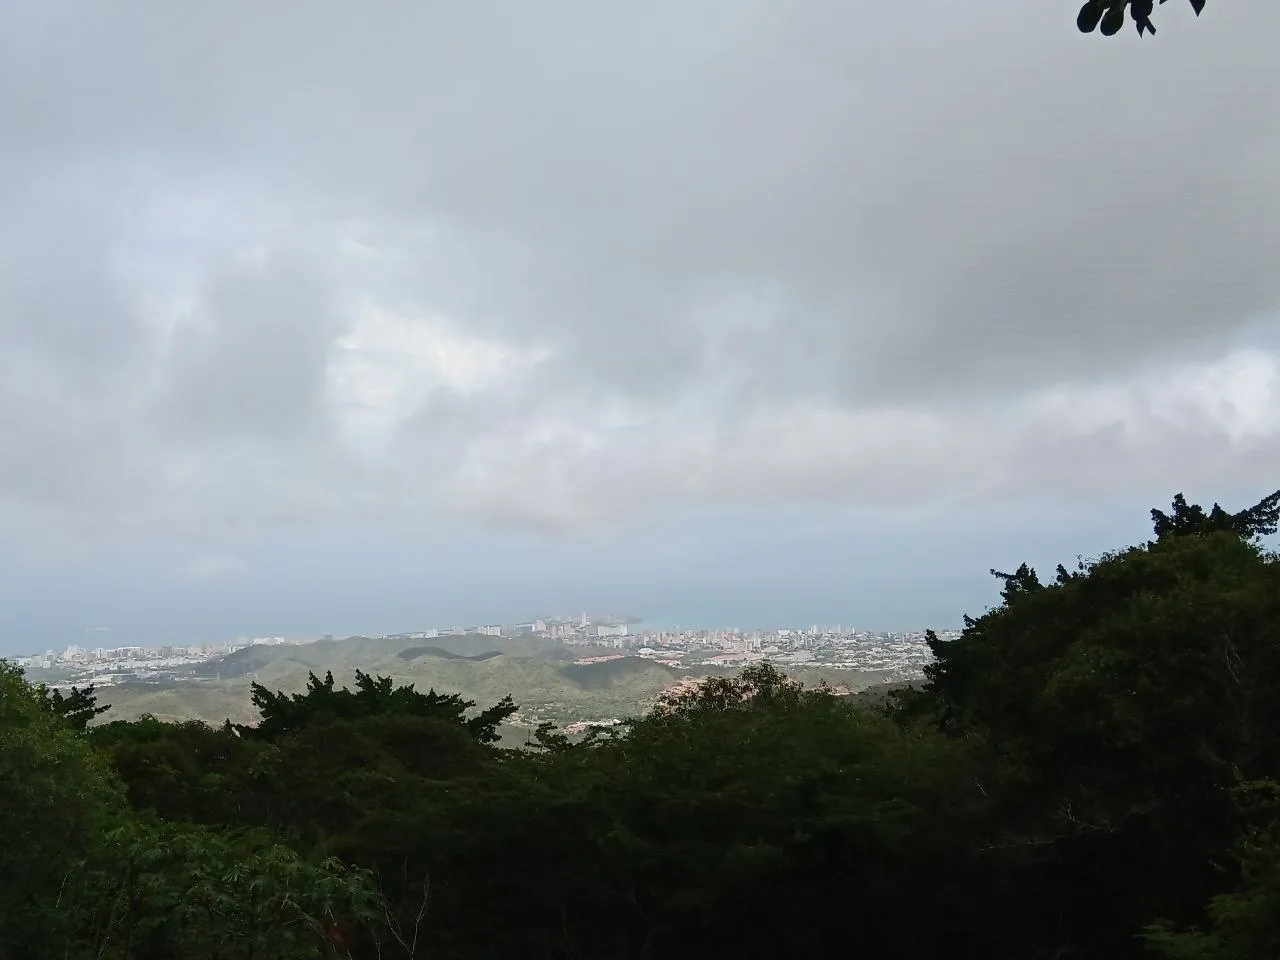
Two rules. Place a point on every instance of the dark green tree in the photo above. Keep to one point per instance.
(1243, 923)
(84, 877)
(750, 817)
(56, 797)
(1252, 523)
(78, 708)
(283, 713)
(1117, 707)
(182, 892)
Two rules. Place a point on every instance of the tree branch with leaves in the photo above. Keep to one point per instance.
(1108, 16)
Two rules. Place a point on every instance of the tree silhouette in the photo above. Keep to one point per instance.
(1252, 523)
(1107, 16)
(77, 708)
(282, 713)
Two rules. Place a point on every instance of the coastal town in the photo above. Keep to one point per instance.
(890, 655)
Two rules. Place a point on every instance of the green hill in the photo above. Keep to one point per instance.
(623, 672)
(413, 653)
(538, 673)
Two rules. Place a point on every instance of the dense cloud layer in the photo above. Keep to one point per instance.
(563, 266)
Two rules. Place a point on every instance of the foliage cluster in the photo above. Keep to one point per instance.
(1107, 16)
(1092, 770)
(550, 684)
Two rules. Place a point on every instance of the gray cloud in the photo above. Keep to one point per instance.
(668, 255)
(253, 360)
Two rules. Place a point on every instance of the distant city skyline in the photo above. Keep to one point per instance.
(632, 630)
(846, 654)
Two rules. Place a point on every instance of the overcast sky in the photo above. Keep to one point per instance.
(335, 317)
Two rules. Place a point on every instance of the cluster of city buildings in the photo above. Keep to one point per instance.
(888, 654)
(581, 629)
(104, 666)
(894, 655)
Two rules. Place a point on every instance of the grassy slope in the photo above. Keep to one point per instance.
(538, 674)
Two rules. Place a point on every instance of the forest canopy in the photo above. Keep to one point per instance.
(1092, 770)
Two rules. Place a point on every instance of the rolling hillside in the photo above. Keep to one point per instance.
(413, 653)
(624, 672)
(539, 674)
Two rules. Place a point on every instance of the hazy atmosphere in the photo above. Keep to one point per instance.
(327, 317)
